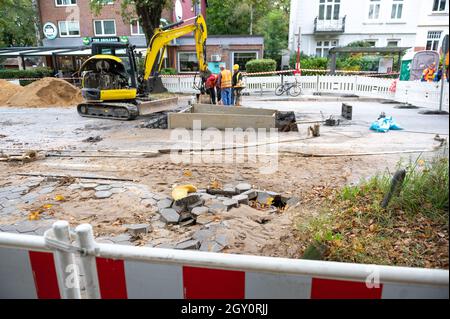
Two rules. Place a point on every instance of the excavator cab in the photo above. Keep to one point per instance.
(111, 73)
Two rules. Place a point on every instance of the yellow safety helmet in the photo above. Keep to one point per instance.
(236, 67)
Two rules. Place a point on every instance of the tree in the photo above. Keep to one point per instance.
(232, 17)
(275, 28)
(17, 23)
(148, 12)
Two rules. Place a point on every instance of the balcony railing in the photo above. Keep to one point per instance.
(329, 26)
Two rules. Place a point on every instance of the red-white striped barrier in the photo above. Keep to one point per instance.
(27, 274)
(123, 279)
(28, 269)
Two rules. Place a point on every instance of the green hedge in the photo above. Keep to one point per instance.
(22, 74)
(168, 71)
(261, 65)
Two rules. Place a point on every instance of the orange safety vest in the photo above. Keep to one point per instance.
(226, 79)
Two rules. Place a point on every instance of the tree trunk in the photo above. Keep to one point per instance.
(150, 15)
(37, 22)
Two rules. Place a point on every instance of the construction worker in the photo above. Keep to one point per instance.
(428, 73)
(237, 86)
(224, 81)
(210, 87)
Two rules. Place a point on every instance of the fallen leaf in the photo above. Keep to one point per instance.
(187, 173)
(33, 216)
(47, 206)
(59, 198)
(215, 184)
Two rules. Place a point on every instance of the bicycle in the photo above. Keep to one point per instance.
(292, 89)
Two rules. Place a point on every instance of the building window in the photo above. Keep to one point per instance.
(433, 39)
(372, 43)
(104, 27)
(187, 62)
(322, 47)
(329, 9)
(439, 5)
(374, 9)
(397, 9)
(241, 58)
(69, 28)
(136, 28)
(61, 3)
(392, 43)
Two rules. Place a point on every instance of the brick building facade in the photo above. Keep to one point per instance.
(73, 24)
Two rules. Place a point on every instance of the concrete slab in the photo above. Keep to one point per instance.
(219, 109)
(220, 121)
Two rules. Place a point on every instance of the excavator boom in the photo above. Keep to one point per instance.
(164, 36)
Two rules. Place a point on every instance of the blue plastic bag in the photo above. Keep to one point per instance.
(385, 124)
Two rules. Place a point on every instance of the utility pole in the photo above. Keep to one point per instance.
(297, 64)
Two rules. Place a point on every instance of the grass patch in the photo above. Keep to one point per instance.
(411, 231)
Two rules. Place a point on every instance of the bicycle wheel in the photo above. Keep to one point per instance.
(295, 90)
(279, 90)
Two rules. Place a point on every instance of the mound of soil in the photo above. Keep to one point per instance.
(47, 92)
(8, 89)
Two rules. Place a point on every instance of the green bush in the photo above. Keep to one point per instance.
(168, 71)
(22, 74)
(261, 65)
(309, 62)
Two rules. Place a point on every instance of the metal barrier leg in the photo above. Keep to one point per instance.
(86, 241)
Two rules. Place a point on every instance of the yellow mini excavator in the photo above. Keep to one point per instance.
(111, 85)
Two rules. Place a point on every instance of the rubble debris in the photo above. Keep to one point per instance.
(26, 157)
(211, 246)
(93, 139)
(164, 203)
(189, 245)
(170, 215)
(331, 121)
(103, 194)
(213, 191)
(137, 229)
(156, 121)
(286, 121)
(205, 219)
(243, 187)
(217, 208)
(242, 199)
(314, 130)
(230, 203)
(202, 210)
(252, 194)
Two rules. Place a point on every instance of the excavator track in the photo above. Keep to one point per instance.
(112, 111)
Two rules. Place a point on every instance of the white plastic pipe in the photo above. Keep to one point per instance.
(67, 271)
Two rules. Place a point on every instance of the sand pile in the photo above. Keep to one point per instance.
(47, 92)
(8, 89)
